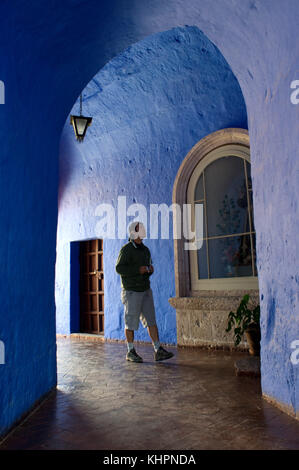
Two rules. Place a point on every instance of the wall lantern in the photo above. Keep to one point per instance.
(80, 123)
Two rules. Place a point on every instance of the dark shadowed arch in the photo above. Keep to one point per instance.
(49, 52)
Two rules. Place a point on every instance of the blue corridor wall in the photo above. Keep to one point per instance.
(150, 105)
(49, 51)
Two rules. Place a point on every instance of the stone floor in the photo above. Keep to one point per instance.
(192, 401)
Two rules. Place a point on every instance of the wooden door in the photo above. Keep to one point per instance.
(91, 287)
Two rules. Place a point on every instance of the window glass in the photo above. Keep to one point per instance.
(204, 219)
(226, 197)
(227, 247)
(202, 261)
(254, 254)
(251, 209)
(248, 169)
(199, 194)
(230, 257)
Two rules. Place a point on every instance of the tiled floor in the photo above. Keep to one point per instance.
(192, 401)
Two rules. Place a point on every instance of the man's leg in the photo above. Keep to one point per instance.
(131, 303)
(149, 318)
(154, 335)
(130, 339)
(160, 353)
(131, 354)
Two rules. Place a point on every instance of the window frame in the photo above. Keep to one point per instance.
(243, 282)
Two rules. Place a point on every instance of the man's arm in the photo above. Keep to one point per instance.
(151, 269)
(123, 266)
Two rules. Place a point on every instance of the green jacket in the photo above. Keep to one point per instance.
(130, 258)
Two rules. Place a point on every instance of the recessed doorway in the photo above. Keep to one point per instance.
(91, 287)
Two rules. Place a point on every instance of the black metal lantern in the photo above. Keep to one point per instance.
(80, 123)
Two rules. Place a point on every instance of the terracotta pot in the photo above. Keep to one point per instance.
(253, 336)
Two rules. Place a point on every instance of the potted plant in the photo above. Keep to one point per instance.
(246, 320)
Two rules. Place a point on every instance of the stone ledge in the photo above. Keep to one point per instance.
(214, 300)
(229, 347)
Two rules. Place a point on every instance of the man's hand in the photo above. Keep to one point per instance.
(143, 269)
(151, 268)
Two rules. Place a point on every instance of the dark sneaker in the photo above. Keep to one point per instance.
(162, 354)
(133, 356)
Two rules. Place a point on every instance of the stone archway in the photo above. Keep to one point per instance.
(150, 144)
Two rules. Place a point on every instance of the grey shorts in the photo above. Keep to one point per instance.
(138, 306)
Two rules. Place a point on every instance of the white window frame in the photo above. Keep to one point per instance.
(232, 283)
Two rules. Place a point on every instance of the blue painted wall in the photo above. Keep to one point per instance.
(150, 105)
(49, 51)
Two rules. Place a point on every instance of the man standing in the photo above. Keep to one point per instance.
(135, 267)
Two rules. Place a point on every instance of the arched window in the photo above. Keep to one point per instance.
(221, 182)
(217, 165)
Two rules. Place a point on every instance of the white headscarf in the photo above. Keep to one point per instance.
(132, 230)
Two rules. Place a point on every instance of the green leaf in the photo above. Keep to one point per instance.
(242, 318)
